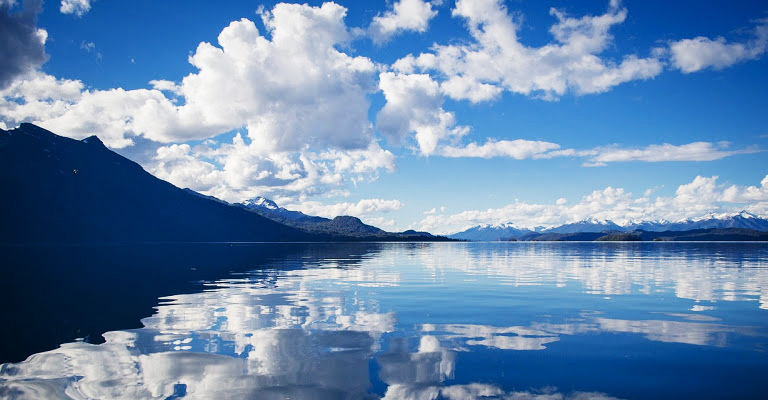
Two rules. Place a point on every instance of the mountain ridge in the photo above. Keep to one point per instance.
(740, 220)
(62, 190)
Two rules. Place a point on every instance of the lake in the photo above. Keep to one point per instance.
(519, 321)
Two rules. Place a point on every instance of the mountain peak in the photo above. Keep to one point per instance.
(35, 131)
(94, 141)
(745, 214)
(260, 202)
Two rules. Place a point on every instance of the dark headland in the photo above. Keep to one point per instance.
(61, 190)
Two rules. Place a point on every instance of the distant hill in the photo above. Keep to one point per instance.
(61, 190)
(341, 225)
(270, 209)
(707, 235)
(741, 220)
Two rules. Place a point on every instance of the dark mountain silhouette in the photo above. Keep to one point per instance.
(61, 190)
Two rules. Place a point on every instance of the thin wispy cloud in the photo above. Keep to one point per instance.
(696, 151)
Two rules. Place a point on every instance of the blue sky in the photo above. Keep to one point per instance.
(413, 114)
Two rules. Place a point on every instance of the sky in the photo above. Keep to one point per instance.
(411, 114)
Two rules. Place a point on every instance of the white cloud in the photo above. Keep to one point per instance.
(696, 151)
(77, 7)
(177, 165)
(379, 222)
(67, 108)
(303, 102)
(291, 91)
(497, 59)
(414, 104)
(406, 15)
(240, 170)
(167, 86)
(518, 149)
(521, 149)
(691, 55)
(361, 209)
(691, 200)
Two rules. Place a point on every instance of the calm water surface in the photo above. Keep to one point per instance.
(398, 321)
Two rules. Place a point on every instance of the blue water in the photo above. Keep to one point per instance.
(425, 321)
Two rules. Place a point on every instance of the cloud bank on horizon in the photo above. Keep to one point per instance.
(702, 196)
(300, 106)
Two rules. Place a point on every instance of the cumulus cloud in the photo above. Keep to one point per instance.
(22, 44)
(177, 164)
(291, 91)
(414, 104)
(691, 200)
(406, 15)
(303, 104)
(294, 90)
(691, 55)
(240, 169)
(496, 60)
(77, 7)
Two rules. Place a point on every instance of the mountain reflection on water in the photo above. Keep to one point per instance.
(430, 321)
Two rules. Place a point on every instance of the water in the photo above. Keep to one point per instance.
(396, 321)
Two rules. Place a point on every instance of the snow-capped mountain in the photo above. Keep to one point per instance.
(487, 233)
(587, 225)
(742, 219)
(260, 202)
(264, 205)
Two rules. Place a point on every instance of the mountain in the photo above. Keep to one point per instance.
(61, 190)
(487, 233)
(587, 225)
(704, 235)
(741, 220)
(271, 210)
(58, 190)
(341, 225)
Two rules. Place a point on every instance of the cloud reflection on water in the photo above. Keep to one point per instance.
(312, 333)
